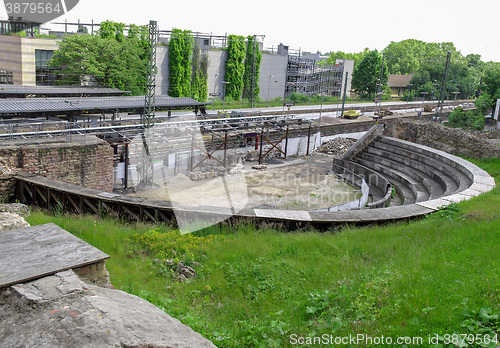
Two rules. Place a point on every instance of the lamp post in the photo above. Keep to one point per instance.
(215, 83)
(456, 94)
(423, 102)
(224, 100)
(408, 95)
(269, 89)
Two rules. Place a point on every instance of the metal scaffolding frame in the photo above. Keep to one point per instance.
(149, 108)
(308, 77)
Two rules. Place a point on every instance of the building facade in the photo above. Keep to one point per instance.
(24, 61)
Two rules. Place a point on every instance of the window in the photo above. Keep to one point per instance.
(6, 77)
(45, 75)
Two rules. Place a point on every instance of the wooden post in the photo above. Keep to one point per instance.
(126, 165)
(192, 153)
(261, 146)
(308, 139)
(286, 142)
(225, 149)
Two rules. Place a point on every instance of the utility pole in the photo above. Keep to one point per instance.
(252, 83)
(149, 109)
(439, 108)
(345, 92)
(379, 86)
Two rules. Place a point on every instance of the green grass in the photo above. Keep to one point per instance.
(258, 286)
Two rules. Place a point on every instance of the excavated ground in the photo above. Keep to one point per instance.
(297, 184)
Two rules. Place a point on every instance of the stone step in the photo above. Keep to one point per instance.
(401, 172)
(403, 188)
(452, 173)
(433, 181)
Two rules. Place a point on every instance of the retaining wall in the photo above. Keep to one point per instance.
(85, 161)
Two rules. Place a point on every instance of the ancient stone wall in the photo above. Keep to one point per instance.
(437, 136)
(86, 162)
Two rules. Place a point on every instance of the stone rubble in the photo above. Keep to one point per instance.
(63, 311)
(336, 146)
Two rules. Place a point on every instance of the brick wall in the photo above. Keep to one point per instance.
(86, 162)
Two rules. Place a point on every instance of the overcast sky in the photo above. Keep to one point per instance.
(319, 25)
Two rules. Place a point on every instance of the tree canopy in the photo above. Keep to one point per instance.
(252, 69)
(109, 58)
(180, 52)
(357, 57)
(235, 67)
(366, 75)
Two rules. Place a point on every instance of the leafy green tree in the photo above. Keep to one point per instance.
(235, 68)
(110, 29)
(109, 60)
(199, 75)
(251, 87)
(366, 75)
(180, 51)
(468, 120)
(427, 62)
(484, 104)
(491, 80)
(357, 57)
(405, 57)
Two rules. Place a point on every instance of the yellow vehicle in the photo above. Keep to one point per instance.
(352, 114)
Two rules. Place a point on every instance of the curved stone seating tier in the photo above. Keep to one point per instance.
(426, 179)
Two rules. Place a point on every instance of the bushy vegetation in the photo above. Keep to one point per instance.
(109, 58)
(468, 120)
(263, 287)
(235, 66)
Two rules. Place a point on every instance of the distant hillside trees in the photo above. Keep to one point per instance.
(427, 62)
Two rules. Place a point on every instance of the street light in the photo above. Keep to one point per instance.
(224, 100)
(423, 102)
(215, 83)
(269, 89)
(408, 95)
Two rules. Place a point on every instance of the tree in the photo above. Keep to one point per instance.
(405, 57)
(366, 75)
(180, 51)
(334, 56)
(251, 87)
(470, 119)
(235, 67)
(103, 59)
(427, 62)
(199, 75)
(491, 80)
(110, 29)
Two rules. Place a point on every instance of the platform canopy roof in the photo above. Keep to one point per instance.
(72, 105)
(15, 91)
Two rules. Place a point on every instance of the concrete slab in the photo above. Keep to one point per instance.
(283, 214)
(481, 187)
(457, 198)
(485, 180)
(434, 204)
(37, 251)
(471, 193)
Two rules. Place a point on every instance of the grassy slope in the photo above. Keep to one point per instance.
(257, 287)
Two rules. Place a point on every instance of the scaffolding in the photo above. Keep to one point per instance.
(308, 77)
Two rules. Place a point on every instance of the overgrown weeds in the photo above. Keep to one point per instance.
(256, 287)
